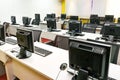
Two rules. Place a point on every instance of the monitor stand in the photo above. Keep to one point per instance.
(82, 75)
(23, 53)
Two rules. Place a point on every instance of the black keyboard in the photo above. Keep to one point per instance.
(55, 30)
(41, 51)
(11, 41)
(75, 34)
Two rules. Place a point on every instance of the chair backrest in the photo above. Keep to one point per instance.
(6, 25)
(118, 21)
(36, 34)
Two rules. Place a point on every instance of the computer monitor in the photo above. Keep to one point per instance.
(13, 20)
(90, 59)
(94, 19)
(109, 18)
(2, 33)
(73, 17)
(37, 17)
(53, 15)
(25, 42)
(51, 24)
(75, 27)
(63, 16)
(111, 32)
(49, 16)
(26, 21)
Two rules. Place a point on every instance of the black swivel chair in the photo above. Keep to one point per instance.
(118, 21)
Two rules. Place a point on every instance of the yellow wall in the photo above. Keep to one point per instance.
(63, 6)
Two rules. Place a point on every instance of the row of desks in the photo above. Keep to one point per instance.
(63, 36)
(41, 68)
(44, 68)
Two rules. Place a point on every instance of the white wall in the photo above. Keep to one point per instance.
(113, 8)
(83, 8)
(28, 8)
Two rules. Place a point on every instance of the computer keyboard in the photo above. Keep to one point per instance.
(41, 51)
(55, 30)
(11, 41)
(75, 34)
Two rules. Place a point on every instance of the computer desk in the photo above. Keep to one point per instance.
(4, 58)
(42, 68)
(37, 67)
(64, 37)
(63, 34)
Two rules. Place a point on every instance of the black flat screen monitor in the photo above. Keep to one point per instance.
(111, 30)
(26, 21)
(75, 26)
(63, 16)
(37, 17)
(2, 33)
(94, 19)
(51, 24)
(53, 15)
(13, 20)
(89, 59)
(25, 42)
(73, 17)
(49, 15)
(109, 18)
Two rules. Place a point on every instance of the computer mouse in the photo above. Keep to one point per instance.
(12, 51)
(97, 38)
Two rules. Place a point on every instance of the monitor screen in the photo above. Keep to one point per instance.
(26, 20)
(13, 20)
(25, 42)
(91, 57)
(51, 24)
(109, 18)
(94, 19)
(63, 16)
(111, 30)
(2, 33)
(73, 17)
(75, 26)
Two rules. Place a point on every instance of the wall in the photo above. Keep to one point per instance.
(28, 8)
(84, 8)
(113, 8)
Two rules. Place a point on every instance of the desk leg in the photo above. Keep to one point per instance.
(9, 70)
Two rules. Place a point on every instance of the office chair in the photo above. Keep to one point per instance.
(90, 28)
(7, 25)
(118, 21)
(35, 22)
(64, 25)
(36, 34)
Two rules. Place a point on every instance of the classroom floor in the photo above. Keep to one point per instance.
(3, 77)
